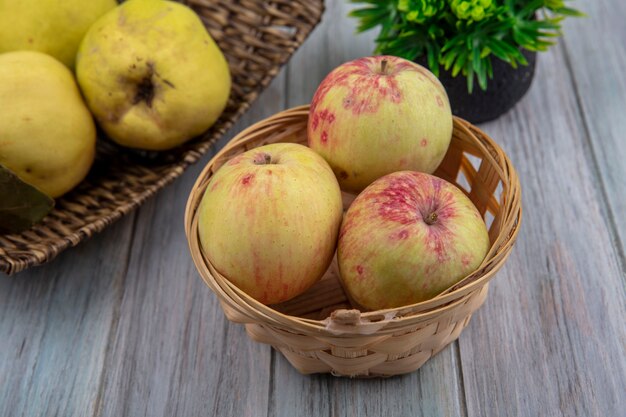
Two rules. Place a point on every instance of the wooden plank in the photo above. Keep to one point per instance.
(550, 339)
(596, 58)
(432, 391)
(173, 352)
(54, 326)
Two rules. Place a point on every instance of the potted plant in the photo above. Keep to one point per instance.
(492, 43)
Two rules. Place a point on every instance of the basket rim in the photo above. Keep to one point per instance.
(412, 314)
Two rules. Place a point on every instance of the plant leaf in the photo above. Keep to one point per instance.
(21, 204)
(568, 11)
(489, 67)
(433, 58)
(470, 80)
(460, 62)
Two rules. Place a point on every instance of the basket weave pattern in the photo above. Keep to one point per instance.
(257, 38)
(319, 331)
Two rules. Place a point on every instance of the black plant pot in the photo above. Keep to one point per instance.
(506, 88)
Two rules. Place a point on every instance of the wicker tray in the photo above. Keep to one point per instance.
(319, 331)
(257, 38)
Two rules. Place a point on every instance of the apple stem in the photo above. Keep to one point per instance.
(431, 218)
(383, 66)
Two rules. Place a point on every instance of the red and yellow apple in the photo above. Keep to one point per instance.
(406, 238)
(269, 220)
(377, 115)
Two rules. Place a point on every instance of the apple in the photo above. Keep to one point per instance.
(269, 220)
(406, 238)
(377, 115)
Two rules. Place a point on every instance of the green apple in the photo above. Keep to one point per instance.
(377, 115)
(269, 219)
(406, 238)
(152, 75)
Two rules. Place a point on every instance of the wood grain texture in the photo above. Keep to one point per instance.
(550, 339)
(173, 352)
(595, 55)
(432, 391)
(55, 321)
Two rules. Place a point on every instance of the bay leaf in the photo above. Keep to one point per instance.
(21, 204)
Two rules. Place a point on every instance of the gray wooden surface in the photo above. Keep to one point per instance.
(123, 326)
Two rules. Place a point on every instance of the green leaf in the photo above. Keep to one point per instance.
(435, 32)
(21, 204)
(530, 8)
(365, 12)
(433, 58)
(523, 39)
(460, 63)
(496, 47)
(519, 58)
(470, 80)
(489, 68)
(371, 17)
(550, 24)
(449, 57)
(568, 11)
(478, 67)
(510, 50)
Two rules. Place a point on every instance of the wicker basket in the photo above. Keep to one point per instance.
(257, 38)
(319, 331)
